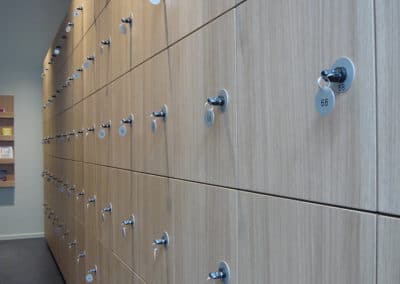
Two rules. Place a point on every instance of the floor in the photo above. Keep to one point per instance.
(27, 261)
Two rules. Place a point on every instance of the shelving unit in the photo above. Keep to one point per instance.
(7, 120)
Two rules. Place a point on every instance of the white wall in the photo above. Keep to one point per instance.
(27, 29)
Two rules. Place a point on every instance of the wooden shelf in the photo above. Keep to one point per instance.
(6, 161)
(7, 184)
(6, 114)
(6, 138)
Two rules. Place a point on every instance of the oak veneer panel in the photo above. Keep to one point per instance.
(205, 231)
(103, 116)
(104, 197)
(89, 139)
(388, 250)
(77, 84)
(77, 31)
(121, 107)
(285, 241)
(77, 140)
(103, 52)
(121, 273)
(89, 49)
(80, 247)
(201, 65)
(121, 43)
(79, 202)
(185, 16)
(153, 218)
(149, 31)
(91, 190)
(387, 42)
(150, 88)
(124, 199)
(99, 6)
(285, 147)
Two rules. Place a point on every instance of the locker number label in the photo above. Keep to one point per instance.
(89, 278)
(102, 133)
(325, 101)
(122, 131)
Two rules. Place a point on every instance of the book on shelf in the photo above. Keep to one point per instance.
(6, 152)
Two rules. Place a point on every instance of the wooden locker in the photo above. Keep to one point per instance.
(104, 126)
(387, 46)
(77, 72)
(202, 65)
(104, 202)
(79, 193)
(150, 86)
(121, 34)
(388, 250)
(284, 146)
(285, 241)
(149, 31)
(76, 18)
(121, 133)
(205, 231)
(78, 128)
(80, 256)
(91, 204)
(103, 45)
(185, 16)
(99, 6)
(124, 199)
(154, 217)
(120, 273)
(89, 59)
(90, 136)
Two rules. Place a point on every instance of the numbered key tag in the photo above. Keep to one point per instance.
(86, 64)
(89, 278)
(102, 133)
(122, 130)
(154, 125)
(325, 100)
(209, 117)
(123, 28)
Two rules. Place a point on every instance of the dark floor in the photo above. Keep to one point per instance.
(27, 262)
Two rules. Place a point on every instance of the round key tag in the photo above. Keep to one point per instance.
(122, 130)
(155, 2)
(209, 117)
(68, 29)
(102, 133)
(325, 100)
(76, 75)
(154, 125)
(89, 278)
(86, 64)
(123, 29)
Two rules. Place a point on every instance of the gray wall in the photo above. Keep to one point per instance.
(27, 29)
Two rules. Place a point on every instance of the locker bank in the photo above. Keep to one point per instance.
(200, 141)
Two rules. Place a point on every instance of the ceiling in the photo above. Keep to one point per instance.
(27, 27)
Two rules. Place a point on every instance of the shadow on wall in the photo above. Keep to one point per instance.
(7, 197)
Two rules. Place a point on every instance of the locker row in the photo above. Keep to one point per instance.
(269, 136)
(111, 217)
(116, 36)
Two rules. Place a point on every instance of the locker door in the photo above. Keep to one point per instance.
(77, 84)
(154, 217)
(150, 86)
(104, 201)
(285, 241)
(121, 133)
(79, 208)
(387, 41)
(202, 66)
(120, 273)
(388, 250)
(185, 16)
(89, 59)
(121, 34)
(149, 31)
(205, 231)
(80, 256)
(124, 198)
(103, 47)
(104, 126)
(90, 136)
(91, 206)
(78, 127)
(285, 146)
(76, 17)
